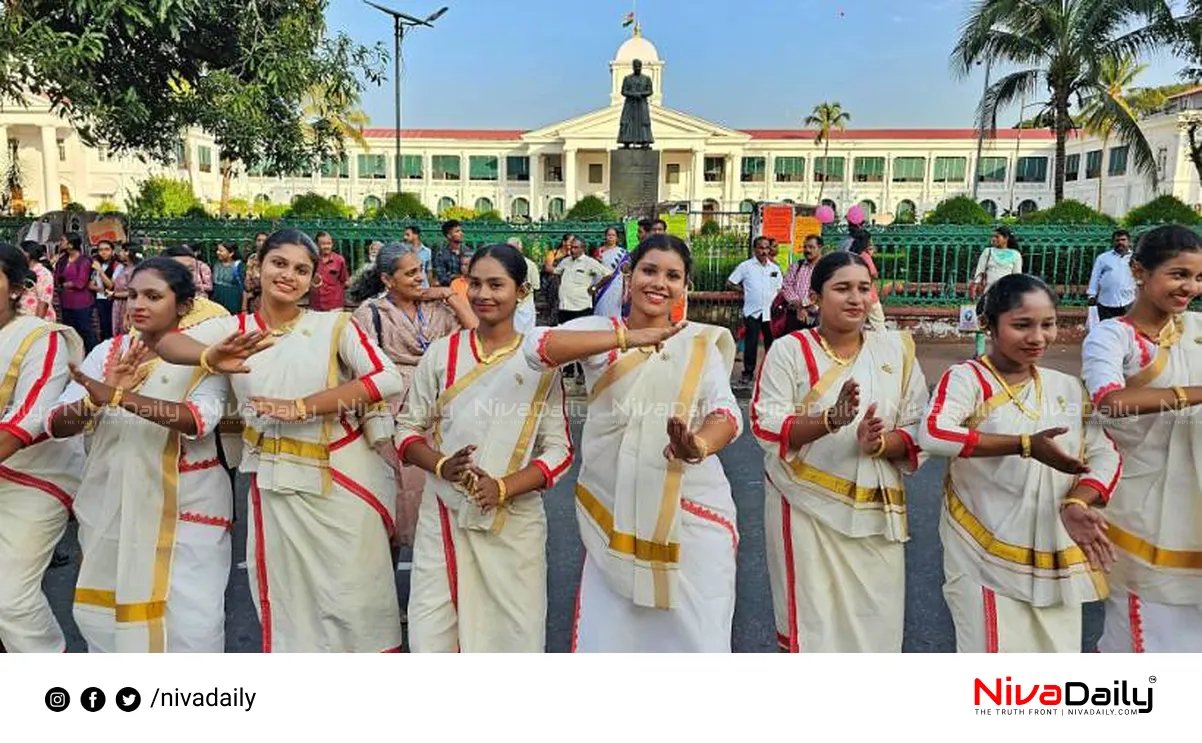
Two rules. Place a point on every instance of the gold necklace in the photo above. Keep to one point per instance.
(1013, 395)
(487, 359)
(831, 352)
(287, 327)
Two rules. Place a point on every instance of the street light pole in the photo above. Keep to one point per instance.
(401, 22)
(976, 175)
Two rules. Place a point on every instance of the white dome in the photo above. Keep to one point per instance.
(639, 48)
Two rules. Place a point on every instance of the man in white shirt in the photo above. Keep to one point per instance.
(524, 317)
(1111, 285)
(578, 273)
(759, 279)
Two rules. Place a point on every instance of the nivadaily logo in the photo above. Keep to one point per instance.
(1071, 697)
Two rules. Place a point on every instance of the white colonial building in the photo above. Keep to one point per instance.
(540, 173)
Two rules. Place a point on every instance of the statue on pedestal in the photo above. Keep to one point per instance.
(635, 127)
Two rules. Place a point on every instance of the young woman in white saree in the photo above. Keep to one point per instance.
(1022, 548)
(1144, 374)
(155, 508)
(654, 506)
(38, 478)
(479, 559)
(835, 506)
(404, 319)
(321, 496)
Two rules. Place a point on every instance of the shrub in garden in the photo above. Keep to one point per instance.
(958, 210)
(1068, 212)
(1162, 210)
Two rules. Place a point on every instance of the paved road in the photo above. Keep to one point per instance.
(928, 625)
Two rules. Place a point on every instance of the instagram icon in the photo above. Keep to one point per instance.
(57, 699)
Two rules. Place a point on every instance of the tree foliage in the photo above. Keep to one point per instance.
(1162, 210)
(1067, 212)
(591, 208)
(403, 205)
(162, 197)
(134, 74)
(958, 210)
(1058, 46)
(315, 206)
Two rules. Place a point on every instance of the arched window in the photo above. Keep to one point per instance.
(834, 207)
(519, 209)
(262, 200)
(708, 207)
(555, 208)
(907, 212)
(1027, 207)
(869, 207)
(372, 202)
(990, 206)
(788, 201)
(483, 205)
(747, 206)
(446, 202)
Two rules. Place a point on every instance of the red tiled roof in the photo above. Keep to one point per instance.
(486, 134)
(898, 134)
(503, 135)
(1185, 93)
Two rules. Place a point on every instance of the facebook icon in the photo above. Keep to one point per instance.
(92, 699)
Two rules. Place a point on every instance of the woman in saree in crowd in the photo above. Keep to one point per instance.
(38, 478)
(155, 508)
(404, 319)
(1022, 547)
(1144, 374)
(836, 411)
(321, 494)
(494, 436)
(652, 501)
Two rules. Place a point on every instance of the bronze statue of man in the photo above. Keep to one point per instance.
(635, 127)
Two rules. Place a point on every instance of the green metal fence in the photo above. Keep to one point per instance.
(934, 265)
(919, 265)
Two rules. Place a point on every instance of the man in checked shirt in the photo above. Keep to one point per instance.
(796, 288)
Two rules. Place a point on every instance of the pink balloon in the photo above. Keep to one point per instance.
(825, 214)
(855, 215)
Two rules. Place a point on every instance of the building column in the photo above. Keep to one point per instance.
(534, 198)
(502, 174)
(51, 196)
(728, 186)
(769, 175)
(697, 181)
(83, 170)
(569, 178)
(194, 167)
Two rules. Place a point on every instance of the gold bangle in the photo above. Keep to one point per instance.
(701, 444)
(826, 421)
(89, 407)
(621, 331)
(502, 491)
(881, 449)
(1074, 501)
(438, 467)
(1026, 442)
(1182, 398)
(115, 400)
(204, 361)
(300, 408)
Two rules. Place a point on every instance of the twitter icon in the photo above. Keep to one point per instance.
(128, 699)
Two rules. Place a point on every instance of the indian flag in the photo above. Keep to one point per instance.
(629, 19)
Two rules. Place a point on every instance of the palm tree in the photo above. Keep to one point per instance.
(337, 116)
(826, 117)
(1110, 111)
(1060, 45)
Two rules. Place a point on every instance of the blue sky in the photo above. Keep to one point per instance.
(752, 63)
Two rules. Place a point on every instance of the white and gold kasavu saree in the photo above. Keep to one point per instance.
(479, 581)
